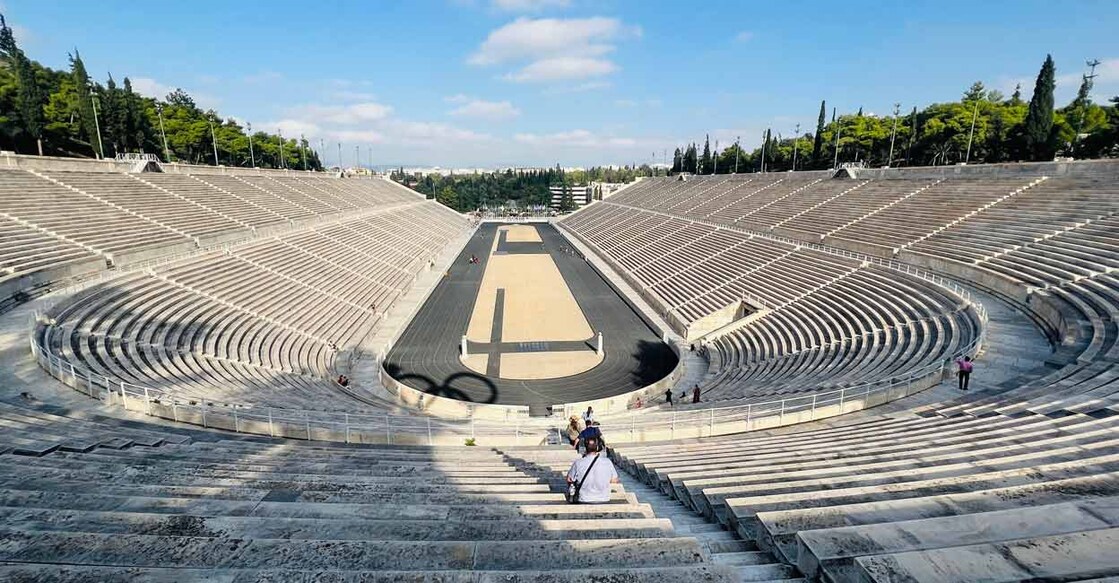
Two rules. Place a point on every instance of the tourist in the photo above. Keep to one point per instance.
(588, 433)
(637, 403)
(668, 396)
(573, 430)
(695, 394)
(964, 366)
(590, 476)
(588, 417)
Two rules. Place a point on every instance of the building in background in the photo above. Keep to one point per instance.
(568, 198)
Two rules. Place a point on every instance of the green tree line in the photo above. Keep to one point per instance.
(66, 113)
(523, 188)
(984, 126)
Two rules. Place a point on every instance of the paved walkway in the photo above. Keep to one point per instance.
(723, 546)
(1014, 351)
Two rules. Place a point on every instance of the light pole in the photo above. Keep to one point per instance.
(765, 142)
(737, 149)
(893, 134)
(166, 150)
(838, 131)
(357, 156)
(796, 142)
(715, 159)
(97, 124)
(280, 133)
(339, 156)
(302, 152)
(214, 139)
(252, 155)
(971, 132)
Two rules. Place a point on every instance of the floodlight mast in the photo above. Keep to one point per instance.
(96, 123)
(796, 138)
(166, 150)
(213, 139)
(252, 155)
(893, 134)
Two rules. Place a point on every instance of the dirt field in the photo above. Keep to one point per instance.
(547, 365)
(538, 306)
(521, 234)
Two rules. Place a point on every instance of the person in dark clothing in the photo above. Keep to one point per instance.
(668, 396)
(695, 394)
(592, 432)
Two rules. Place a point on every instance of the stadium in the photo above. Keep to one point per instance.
(223, 373)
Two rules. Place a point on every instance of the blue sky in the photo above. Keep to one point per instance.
(491, 83)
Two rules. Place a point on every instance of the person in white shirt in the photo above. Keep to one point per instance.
(588, 417)
(595, 488)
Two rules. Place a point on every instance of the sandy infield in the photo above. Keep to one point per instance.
(521, 234)
(547, 365)
(538, 304)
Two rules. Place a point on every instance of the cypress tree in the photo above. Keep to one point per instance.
(1039, 120)
(705, 161)
(818, 141)
(29, 97)
(85, 100)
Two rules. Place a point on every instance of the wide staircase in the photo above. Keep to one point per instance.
(89, 498)
(725, 547)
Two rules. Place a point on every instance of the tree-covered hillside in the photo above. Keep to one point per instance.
(65, 113)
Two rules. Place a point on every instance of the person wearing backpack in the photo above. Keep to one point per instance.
(589, 479)
(591, 432)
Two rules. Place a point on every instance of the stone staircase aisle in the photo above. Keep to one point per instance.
(723, 546)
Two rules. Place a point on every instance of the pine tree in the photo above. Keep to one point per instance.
(29, 97)
(137, 122)
(1039, 120)
(677, 161)
(818, 140)
(1017, 97)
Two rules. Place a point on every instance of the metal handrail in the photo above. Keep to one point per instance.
(395, 426)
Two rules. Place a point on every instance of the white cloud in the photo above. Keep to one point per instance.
(1104, 86)
(579, 138)
(744, 36)
(353, 113)
(149, 87)
(529, 5)
(290, 127)
(554, 49)
(481, 109)
(563, 69)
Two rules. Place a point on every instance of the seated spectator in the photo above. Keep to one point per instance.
(592, 475)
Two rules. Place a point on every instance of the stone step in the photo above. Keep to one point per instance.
(834, 550)
(305, 482)
(743, 512)
(779, 528)
(701, 573)
(341, 528)
(63, 500)
(1082, 555)
(196, 552)
(370, 495)
(744, 558)
(770, 572)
